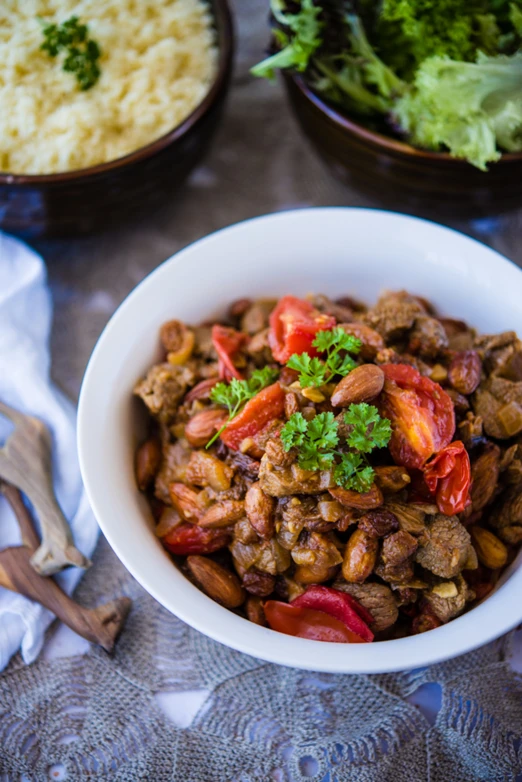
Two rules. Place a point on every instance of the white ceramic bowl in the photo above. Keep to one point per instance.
(334, 251)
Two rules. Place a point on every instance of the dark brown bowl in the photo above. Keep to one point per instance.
(398, 175)
(92, 198)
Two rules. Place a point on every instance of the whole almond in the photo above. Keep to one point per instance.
(217, 582)
(222, 514)
(490, 550)
(148, 458)
(391, 478)
(360, 556)
(353, 499)
(202, 426)
(361, 385)
(186, 501)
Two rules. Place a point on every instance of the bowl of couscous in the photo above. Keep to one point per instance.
(105, 107)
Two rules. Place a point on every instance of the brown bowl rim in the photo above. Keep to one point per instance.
(223, 19)
(379, 139)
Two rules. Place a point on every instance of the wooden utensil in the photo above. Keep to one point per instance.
(25, 462)
(99, 625)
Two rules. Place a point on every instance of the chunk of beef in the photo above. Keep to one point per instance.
(427, 338)
(163, 388)
(498, 402)
(316, 555)
(173, 465)
(411, 517)
(402, 574)
(378, 599)
(506, 515)
(446, 549)
(282, 481)
(470, 430)
(398, 547)
(394, 314)
(460, 336)
(448, 599)
(296, 513)
(341, 312)
(378, 523)
(266, 556)
(276, 454)
(255, 318)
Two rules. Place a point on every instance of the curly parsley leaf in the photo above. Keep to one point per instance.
(236, 393)
(322, 430)
(368, 429)
(315, 372)
(299, 44)
(353, 472)
(336, 339)
(312, 371)
(315, 440)
(294, 431)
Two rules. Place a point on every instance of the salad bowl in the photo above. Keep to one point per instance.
(398, 175)
(337, 251)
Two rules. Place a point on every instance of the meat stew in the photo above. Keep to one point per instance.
(333, 471)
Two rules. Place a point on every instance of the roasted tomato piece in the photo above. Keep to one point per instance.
(227, 342)
(307, 623)
(293, 326)
(340, 606)
(421, 412)
(188, 539)
(448, 477)
(256, 414)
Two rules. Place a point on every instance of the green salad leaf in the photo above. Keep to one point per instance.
(467, 107)
(444, 74)
(296, 46)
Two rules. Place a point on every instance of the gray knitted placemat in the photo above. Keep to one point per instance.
(95, 717)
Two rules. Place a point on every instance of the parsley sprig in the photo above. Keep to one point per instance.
(315, 372)
(82, 53)
(317, 440)
(235, 394)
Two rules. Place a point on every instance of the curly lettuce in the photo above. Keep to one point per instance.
(469, 108)
(447, 74)
(298, 38)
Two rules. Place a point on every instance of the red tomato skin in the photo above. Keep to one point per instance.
(226, 343)
(188, 539)
(448, 477)
(340, 606)
(307, 623)
(293, 326)
(256, 414)
(421, 412)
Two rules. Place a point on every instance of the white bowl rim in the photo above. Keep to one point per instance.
(483, 624)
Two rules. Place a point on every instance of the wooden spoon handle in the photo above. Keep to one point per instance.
(99, 625)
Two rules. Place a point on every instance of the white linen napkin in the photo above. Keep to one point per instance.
(25, 321)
